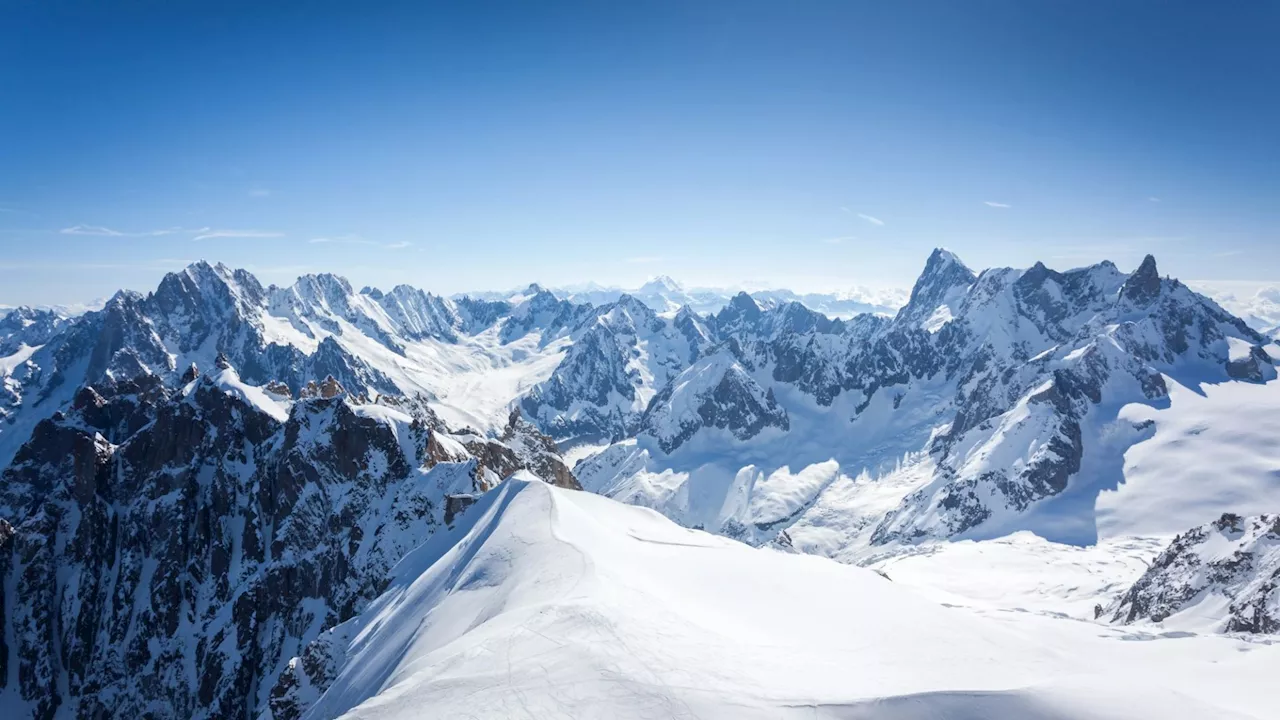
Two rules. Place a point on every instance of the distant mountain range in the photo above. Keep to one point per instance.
(663, 294)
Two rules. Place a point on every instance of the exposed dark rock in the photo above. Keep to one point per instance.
(1234, 557)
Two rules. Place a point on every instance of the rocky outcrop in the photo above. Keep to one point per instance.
(622, 354)
(1231, 565)
(169, 550)
(715, 393)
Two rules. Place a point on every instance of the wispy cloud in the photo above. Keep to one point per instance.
(341, 240)
(208, 234)
(108, 232)
(357, 240)
(1154, 199)
(990, 203)
(260, 192)
(1228, 253)
(837, 240)
(644, 259)
(870, 219)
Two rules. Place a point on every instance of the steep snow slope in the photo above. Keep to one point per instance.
(1215, 449)
(553, 604)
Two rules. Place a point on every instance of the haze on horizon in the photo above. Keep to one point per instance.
(815, 146)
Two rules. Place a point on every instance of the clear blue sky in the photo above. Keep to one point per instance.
(494, 144)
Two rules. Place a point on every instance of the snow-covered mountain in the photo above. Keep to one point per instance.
(987, 397)
(470, 358)
(219, 498)
(665, 295)
(166, 550)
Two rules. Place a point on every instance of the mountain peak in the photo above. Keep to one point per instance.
(660, 284)
(942, 255)
(944, 276)
(744, 301)
(1144, 284)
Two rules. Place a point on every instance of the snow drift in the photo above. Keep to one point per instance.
(549, 603)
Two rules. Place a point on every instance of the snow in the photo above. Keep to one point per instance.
(1210, 453)
(8, 363)
(557, 604)
(941, 316)
(1024, 572)
(228, 380)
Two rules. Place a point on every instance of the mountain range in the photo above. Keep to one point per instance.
(224, 499)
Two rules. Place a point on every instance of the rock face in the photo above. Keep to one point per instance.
(168, 550)
(623, 353)
(715, 392)
(1002, 375)
(1233, 560)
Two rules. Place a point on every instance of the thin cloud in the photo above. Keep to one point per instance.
(1154, 199)
(870, 219)
(357, 240)
(99, 230)
(644, 259)
(837, 240)
(213, 234)
(990, 203)
(260, 192)
(341, 240)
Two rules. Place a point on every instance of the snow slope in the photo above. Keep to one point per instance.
(545, 603)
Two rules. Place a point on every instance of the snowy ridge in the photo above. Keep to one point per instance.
(567, 605)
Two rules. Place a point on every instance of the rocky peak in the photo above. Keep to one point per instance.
(1143, 286)
(1234, 559)
(326, 389)
(27, 326)
(636, 312)
(943, 282)
(741, 311)
(202, 288)
(192, 372)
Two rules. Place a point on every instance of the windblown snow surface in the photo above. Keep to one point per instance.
(545, 603)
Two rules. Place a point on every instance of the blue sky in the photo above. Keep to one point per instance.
(811, 144)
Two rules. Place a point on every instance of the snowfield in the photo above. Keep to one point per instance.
(545, 603)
